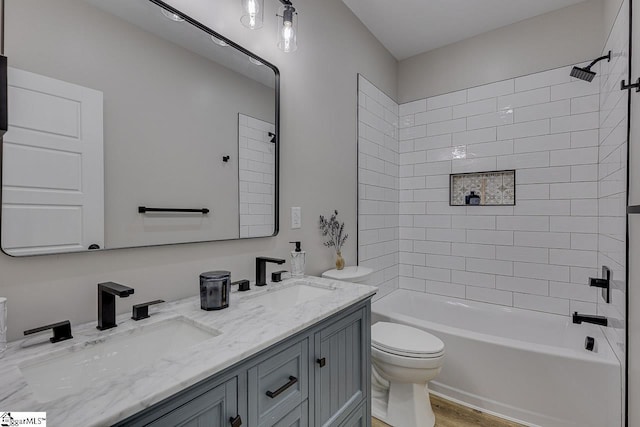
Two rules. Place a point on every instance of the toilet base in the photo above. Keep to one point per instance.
(406, 405)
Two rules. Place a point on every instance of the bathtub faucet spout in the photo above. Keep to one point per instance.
(596, 320)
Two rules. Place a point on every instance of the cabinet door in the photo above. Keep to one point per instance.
(213, 408)
(341, 369)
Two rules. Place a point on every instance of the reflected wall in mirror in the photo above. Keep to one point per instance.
(121, 104)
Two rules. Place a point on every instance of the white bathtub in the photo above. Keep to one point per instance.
(526, 366)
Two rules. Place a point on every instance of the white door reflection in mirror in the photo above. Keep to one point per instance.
(257, 176)
(53, 177)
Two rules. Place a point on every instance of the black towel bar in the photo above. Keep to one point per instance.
(143, 209)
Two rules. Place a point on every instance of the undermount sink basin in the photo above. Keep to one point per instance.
(72, 370)
(290, 296)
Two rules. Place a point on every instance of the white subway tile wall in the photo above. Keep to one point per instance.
(546, 127)
(567, 141)
(612, 173)
(256, 165)
(379, 183)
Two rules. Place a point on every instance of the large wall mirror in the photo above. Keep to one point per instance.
(132, 125)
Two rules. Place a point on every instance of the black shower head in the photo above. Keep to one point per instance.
(585, 73)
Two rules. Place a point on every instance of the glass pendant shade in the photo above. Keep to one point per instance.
(287, 29)
(252, 13)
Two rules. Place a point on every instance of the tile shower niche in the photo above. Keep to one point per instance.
(497, 188)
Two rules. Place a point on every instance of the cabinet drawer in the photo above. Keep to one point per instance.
(299, 417)
(278, 384)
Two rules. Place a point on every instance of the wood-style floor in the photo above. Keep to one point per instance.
(449, 414)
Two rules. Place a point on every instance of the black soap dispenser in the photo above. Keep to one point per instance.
(297, 260)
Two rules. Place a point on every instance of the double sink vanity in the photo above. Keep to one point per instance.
(295, 353)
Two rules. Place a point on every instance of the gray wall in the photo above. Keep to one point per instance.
(318, 173)
(552, 40)
(140, 92)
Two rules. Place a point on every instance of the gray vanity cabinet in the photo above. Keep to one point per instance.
(319, 377)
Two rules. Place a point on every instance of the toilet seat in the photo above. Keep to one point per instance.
(405, 341)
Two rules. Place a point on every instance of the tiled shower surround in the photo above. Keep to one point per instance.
(536, 255)
(378, 183)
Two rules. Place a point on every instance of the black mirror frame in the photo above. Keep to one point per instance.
(198, 25)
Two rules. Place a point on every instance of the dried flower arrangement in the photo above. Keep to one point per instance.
(334, 230)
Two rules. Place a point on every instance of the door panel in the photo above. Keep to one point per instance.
(53, 176)
(340, 383)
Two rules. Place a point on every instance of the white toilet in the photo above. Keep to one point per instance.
(404, 360)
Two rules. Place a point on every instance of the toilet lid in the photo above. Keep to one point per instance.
(349, 274)
(404, 340)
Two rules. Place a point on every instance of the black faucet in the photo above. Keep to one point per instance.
(107, 293)
(261, 268)
(596, 320)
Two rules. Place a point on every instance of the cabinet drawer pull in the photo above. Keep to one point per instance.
(273, 394)
(235, 422)
(322, 362)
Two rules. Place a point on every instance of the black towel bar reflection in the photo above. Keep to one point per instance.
(144, 209)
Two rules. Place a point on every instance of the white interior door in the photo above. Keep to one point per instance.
(53, 172)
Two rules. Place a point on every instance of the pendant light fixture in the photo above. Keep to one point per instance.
(252, 13)
(287, 27)
(253, 17)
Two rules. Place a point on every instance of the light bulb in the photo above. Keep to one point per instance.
(252, 13)
(287, 35)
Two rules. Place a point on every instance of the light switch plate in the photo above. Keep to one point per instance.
(296, 217)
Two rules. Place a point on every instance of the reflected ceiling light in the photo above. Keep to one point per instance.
(172, 16)
(255, 61)
(252, 13)
(219, 42)
(287, 27)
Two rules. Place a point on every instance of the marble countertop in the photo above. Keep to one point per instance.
(246, 327)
